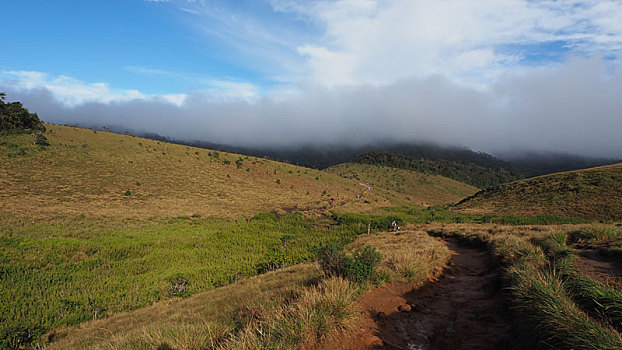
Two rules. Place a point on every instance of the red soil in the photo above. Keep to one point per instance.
(462, 310)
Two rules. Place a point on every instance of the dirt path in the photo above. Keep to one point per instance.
(462, 310)
(604, 269)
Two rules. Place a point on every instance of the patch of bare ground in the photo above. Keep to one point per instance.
(463, 309)
(607, 270)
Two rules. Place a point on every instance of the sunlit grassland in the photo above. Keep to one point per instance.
(442, 214)
(286, 308)
(68, 270)
(98, 173)
(406, 186)
(591, 194)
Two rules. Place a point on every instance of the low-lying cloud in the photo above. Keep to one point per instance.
(573, 108)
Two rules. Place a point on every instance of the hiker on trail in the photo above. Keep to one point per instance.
(393, 225)
(330, 201)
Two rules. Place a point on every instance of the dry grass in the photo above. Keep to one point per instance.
(410, 256)
(320, 312)
(592, 194)
(214, 313)
(83, 172)
(407, 186)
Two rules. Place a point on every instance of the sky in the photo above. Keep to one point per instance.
(500, 76)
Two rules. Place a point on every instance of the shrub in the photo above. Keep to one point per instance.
(332, 260)
(14, 118)
(41, 140)
(360, 267)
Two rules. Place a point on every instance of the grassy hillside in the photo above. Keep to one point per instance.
(593, 194)
(99, 173)
(413, 186)
(469, 173)
(97, 223)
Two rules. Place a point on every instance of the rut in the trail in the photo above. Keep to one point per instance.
(462, 310)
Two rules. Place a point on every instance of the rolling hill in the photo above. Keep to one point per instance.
(409, 185)
(593, 194)
(96, 173)
(469, 173)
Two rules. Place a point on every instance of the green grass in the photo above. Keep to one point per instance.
(443, 214)
(595, 298)
(63, 271)
(287, 308)
(549, 318)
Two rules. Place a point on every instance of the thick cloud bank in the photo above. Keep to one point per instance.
(573, 108)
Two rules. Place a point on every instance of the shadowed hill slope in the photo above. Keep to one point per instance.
(413, 186)
(594, 193)
(99, 173)
(469, 173)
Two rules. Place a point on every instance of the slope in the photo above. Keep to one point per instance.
(469, 173)
(593, 194)
(410, 185)
(99, 173)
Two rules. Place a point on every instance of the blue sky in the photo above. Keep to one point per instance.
(117, 42)
(221, 63)
(168, 47)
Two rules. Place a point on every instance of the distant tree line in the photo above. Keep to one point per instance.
(14, 118)
(469, 173)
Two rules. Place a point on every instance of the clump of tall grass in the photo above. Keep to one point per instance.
(407, 257)
(594, 297)
(592, 234)
(320, 311)
(511, 251)
(542, 308)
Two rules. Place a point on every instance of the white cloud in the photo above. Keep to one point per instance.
(572, 107)
(380, 42)
(72, 92)
(68, 90)
(191, 11)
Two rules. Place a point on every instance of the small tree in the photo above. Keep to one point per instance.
(41, 140)
(15, 118)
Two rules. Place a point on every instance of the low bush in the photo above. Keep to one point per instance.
(359, 267)
(41, 140)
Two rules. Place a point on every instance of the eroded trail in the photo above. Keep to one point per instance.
(462, 310)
